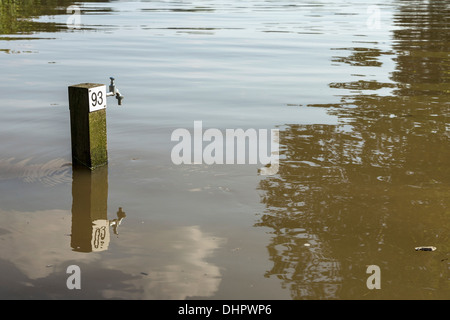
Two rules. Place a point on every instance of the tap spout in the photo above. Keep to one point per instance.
(119, 97)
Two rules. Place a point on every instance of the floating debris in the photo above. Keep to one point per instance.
(428, 248)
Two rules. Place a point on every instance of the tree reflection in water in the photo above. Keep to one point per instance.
(367, 191)
(19, 17)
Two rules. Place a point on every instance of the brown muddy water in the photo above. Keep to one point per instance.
(358, 89)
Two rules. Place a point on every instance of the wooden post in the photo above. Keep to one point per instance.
(87, 104)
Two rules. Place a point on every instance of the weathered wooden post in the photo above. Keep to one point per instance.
(87, 104)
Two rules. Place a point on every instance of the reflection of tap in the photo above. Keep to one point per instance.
(113, 91)
(116, 222)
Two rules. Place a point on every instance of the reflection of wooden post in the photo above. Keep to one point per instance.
(90, 225)
(87, 104)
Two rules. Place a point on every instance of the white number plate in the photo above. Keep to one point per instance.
(97, 98)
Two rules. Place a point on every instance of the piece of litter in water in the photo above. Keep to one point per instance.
(428, 248)
(307, 244)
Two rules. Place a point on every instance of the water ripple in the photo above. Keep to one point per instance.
(51, 173)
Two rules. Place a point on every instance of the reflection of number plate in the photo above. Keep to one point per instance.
(100, 235)
(97, 98)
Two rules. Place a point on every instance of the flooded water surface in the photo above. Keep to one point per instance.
(358, 91)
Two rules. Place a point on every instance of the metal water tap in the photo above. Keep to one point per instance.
(113, 91)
